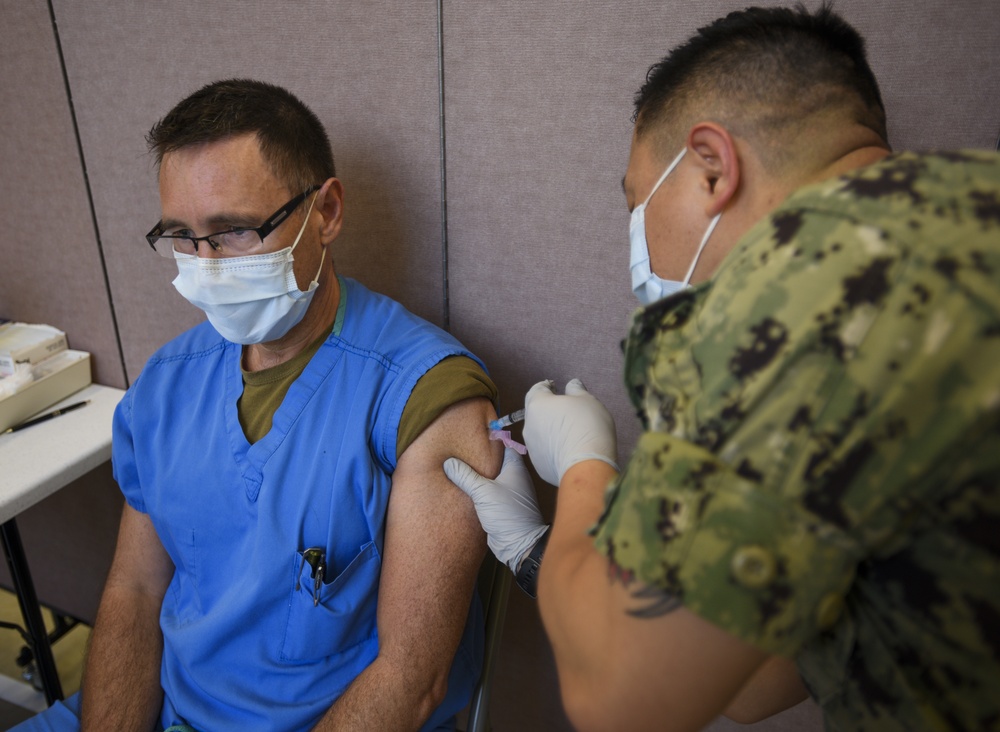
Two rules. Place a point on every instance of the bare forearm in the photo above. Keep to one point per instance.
(571, 570)
(384, 698)
(121, 686)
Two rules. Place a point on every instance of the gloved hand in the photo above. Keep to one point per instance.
(561, 431)
(506, 506)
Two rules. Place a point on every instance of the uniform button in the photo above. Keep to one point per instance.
(753, 566)
(828, 611)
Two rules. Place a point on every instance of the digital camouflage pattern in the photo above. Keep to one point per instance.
(820, 468)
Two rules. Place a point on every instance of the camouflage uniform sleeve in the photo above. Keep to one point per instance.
(737, 556)
(796, 409)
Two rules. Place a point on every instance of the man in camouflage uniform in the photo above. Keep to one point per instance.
(816, 494)
(820, 468)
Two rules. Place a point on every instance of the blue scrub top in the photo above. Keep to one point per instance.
(245, 647)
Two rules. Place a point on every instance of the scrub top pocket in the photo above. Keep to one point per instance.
(345, 615)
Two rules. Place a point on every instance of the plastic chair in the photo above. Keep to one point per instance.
(493, 586)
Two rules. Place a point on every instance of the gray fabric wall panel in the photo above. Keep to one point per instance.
(371, 76)
(939, 68)
(538, 130)
(537, 138)
(50, 267)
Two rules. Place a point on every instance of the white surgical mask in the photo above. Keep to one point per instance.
(645, 284)
(253, 299)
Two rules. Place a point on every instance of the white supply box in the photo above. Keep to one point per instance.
(26, 343)
(55, 378)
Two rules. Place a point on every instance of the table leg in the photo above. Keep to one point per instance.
(21, 577)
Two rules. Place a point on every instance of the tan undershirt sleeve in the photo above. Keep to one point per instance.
(451, 380)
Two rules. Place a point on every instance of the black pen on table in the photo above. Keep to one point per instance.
(46, 417)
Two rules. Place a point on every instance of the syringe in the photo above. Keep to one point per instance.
(499, 424)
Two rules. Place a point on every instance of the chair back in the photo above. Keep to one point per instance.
(493, 586)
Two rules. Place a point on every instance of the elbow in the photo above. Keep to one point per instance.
(741, 716)
(751, 713)
(774, 687)
(432, 695)
(583, 710)
(588, 705)
(436, 694)
(743, 712)
(598, 707)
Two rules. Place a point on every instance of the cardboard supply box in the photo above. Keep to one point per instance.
(56, 378)
(27, 343)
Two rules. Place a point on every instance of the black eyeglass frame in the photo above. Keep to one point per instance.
(273, 222)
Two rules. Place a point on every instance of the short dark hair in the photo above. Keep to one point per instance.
(767, 67)
(292, 139)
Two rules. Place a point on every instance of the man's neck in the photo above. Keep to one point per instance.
(858, 158)
(318, 318)
(857, 148)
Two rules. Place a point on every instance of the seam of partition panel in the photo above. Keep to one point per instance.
(90, 194)
(445, 300)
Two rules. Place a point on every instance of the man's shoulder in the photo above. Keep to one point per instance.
(190, 348)
(933, 205)
(909, 189)
(914, 176)
(169, 364)
(364, 304)
(381, 324)
(197, 340)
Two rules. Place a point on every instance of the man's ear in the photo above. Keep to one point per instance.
(715, 155)
(330, 203)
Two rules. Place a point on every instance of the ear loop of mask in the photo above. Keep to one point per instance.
(708, 232)
(704, 241)
(668, 171)
(299, 237)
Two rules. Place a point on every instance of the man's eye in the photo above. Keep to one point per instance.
(179, 232)
(238, 240)
(236, 237)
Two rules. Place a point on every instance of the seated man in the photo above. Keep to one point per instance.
(291, 555)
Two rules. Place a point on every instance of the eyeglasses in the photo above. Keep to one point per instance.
(234, 242)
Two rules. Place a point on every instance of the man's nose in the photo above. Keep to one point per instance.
(205, 250)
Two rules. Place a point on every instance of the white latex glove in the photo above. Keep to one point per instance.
(561, 431)
(506, 506)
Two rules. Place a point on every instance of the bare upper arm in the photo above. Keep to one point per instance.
(629, 654)
(699, 666)
(140, 562)
(433, 541)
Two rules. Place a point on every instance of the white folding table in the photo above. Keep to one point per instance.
(35, 463)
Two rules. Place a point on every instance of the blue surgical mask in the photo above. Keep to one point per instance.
(646, 285)
(253, 299)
